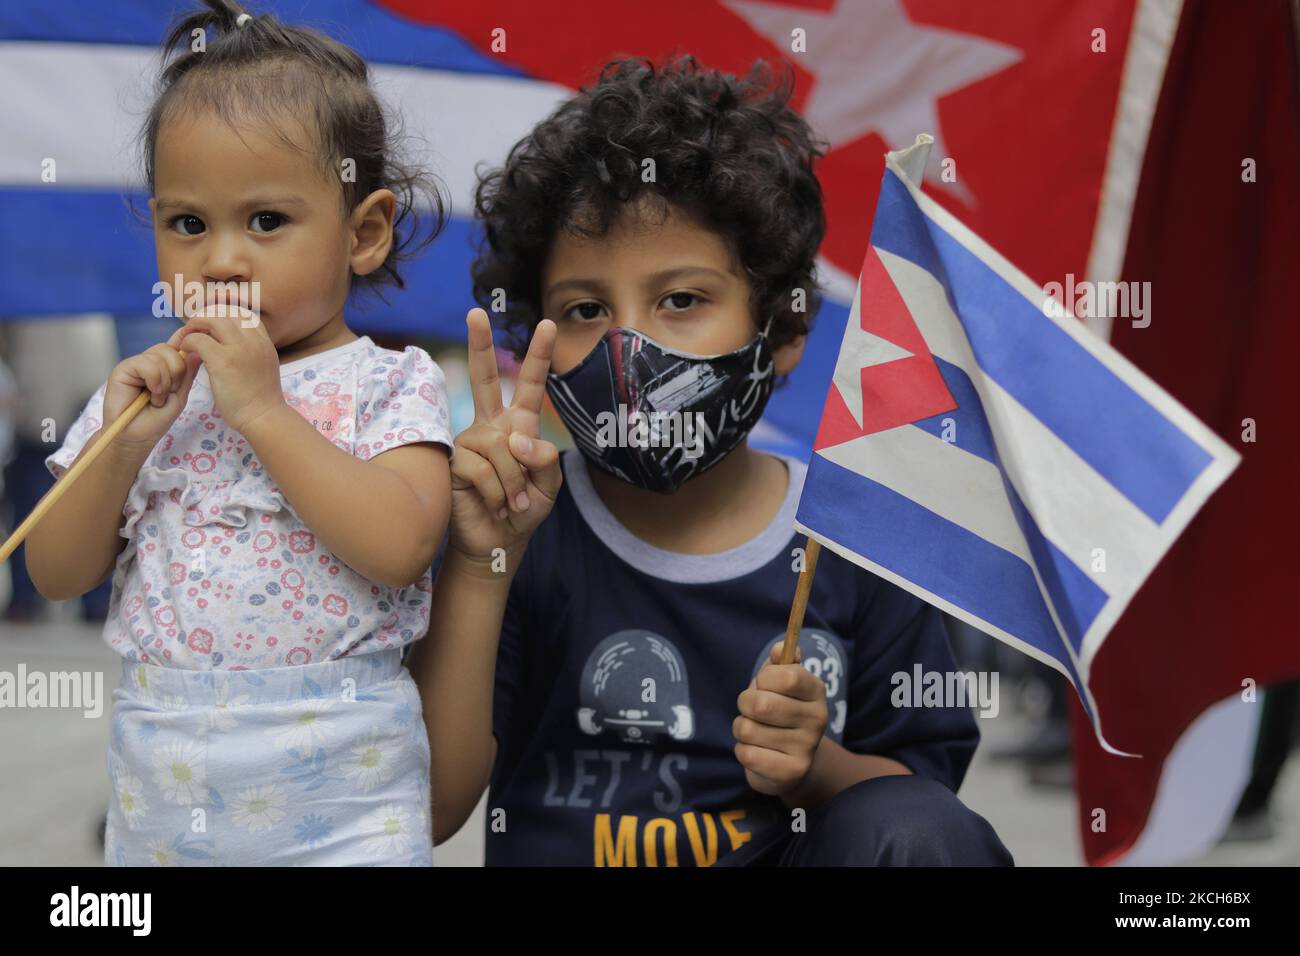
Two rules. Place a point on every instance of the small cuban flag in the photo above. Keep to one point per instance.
(981, 448)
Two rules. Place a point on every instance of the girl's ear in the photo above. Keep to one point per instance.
(786, 357)
(372, 231)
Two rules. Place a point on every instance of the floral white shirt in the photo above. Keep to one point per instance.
(218, 570)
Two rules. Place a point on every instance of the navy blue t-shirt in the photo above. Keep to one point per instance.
(617, 678)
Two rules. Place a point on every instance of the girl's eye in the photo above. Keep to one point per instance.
(266, 222)
(681, 301)
(187, 225)
(586, 311)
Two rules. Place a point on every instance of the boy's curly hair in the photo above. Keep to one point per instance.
(727, 150)
(267, 70)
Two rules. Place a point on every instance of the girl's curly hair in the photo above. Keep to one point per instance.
(728, 151)
(268, 70)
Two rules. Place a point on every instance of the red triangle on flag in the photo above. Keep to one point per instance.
(894, 393)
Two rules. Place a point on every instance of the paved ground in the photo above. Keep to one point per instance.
(53, 782)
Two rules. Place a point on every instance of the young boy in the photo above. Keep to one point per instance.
(606, 627)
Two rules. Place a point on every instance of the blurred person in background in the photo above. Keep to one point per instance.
(57, 361)
(8, 415)
(1038, 694)
(1278, 733)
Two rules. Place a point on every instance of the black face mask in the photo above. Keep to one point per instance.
(655, 417)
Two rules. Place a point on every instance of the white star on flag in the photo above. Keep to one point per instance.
(860, 349)
(876, 70)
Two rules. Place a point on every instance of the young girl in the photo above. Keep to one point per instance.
(283, 495)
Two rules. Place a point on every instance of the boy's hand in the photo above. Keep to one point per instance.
(167, 376)
(504, 477)
(782, 720)
(243, 364)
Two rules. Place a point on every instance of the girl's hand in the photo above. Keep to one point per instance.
(166, 376)
(504, 477)
(243, 365)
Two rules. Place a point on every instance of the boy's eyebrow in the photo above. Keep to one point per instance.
(667, 275)
(657, 278)
(577, 285)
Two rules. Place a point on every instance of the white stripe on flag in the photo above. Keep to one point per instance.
(82, 104)
(1152, 37)
(940, 477)
(1075, 508)
(957, 611)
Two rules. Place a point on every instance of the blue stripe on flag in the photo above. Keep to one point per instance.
(1123, 437)
(946, 559)
(379, 36)
(970, 431)
(1077, 598)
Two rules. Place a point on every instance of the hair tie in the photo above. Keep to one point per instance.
(242, 19)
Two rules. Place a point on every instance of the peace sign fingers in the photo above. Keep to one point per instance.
(530, 387)
(505, 476)
(485, 380)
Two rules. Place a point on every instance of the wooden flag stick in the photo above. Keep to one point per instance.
(61, 486)
(791, 645)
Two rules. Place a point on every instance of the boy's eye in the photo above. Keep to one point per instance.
(586, 311)
(266, 222)
(681, 301)
(187, 225)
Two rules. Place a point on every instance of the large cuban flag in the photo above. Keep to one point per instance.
(990, 454)
(470, 79)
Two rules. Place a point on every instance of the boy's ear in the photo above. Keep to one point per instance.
(372, 231)
(786, 357)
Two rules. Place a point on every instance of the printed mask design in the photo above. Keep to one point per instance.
(656, 417)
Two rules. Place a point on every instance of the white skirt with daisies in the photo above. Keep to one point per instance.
(321, 764)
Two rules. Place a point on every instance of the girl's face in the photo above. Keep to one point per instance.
(242, 206)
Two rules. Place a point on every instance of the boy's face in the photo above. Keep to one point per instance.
(674, 280)
(241, 206)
